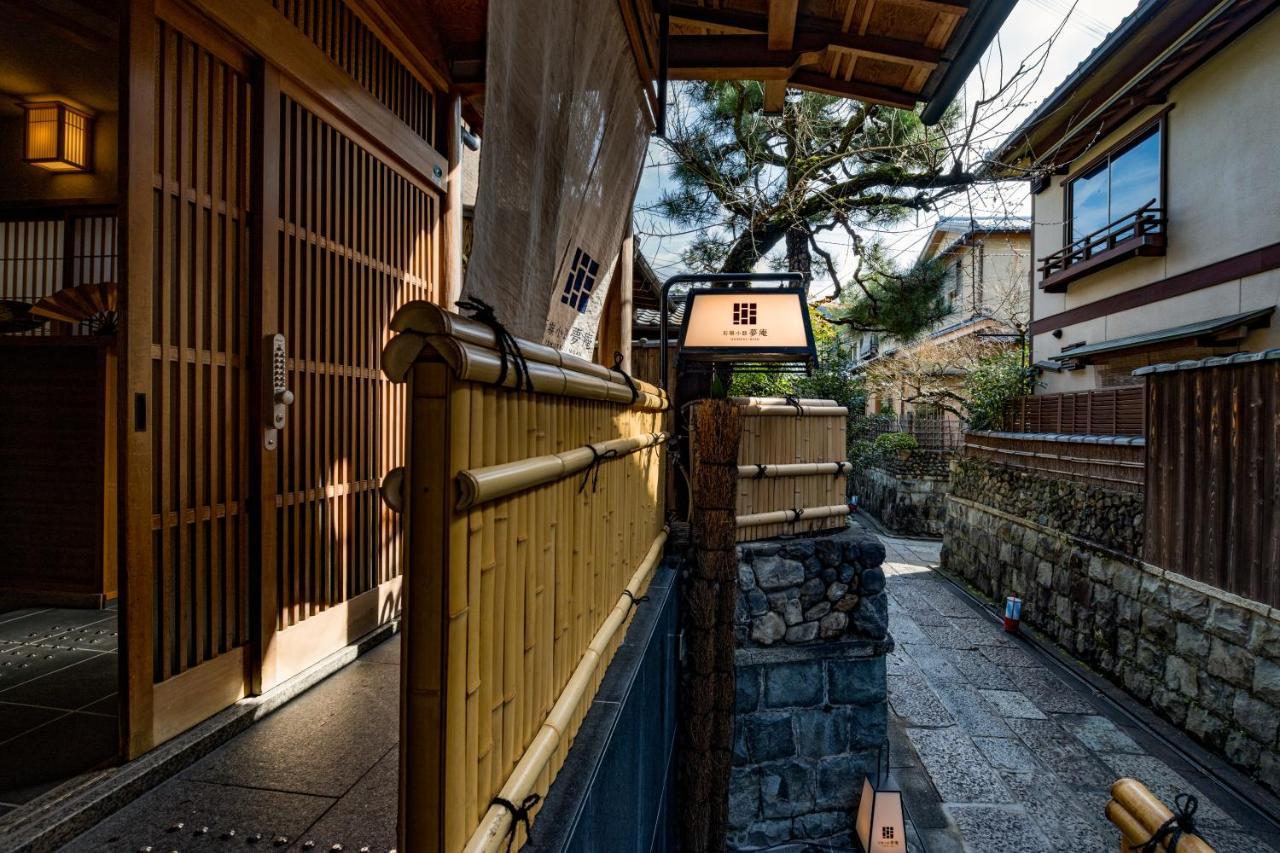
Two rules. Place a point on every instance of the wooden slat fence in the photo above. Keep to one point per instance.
(1213, 464)
(1103, 411)
(520, 541)
(1111, 461)
(803, 454)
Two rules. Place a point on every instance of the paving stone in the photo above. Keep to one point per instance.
(388, 651)
(1057, 748)
(1067, 820)
(1011, 703)
(903, 628)
(1007, 753)
(978, 670)
(1098, 733)
(911, 699)
(947, 637)
(82, 683)
(933, 662)
(972, 713)
(46, 756)
(1010, 656)
(364, 817)
(959, 771)
(999, 829)
(1050, 693)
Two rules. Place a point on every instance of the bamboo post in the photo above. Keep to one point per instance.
(1138, 814)
(709, 598)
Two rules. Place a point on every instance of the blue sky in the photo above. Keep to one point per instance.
(1029, 25)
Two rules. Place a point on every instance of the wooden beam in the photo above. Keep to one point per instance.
(746, 51)
(782, 32)
(866, 92)
(945, 7)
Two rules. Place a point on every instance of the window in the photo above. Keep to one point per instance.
(1124, 182)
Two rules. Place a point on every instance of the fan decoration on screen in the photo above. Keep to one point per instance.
(15, 317)
(92, 304)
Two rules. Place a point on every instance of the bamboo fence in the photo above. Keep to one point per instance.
(534, 525)
(791, 467)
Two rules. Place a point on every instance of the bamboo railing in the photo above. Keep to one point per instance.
(534, 525)
(791, 467)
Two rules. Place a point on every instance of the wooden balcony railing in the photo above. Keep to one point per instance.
(1139, 233)
(1104, 411)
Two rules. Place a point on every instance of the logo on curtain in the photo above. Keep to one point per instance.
(580, 281)
(744, 313)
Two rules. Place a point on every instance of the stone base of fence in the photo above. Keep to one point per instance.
(1205, 659)
(811, 710)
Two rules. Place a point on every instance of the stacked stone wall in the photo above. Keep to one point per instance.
(1206, 660)
(811, 707)
(906, 494)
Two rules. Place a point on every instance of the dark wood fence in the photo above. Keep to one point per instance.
(1113, 462)
(1105, 411)
(1211, 509)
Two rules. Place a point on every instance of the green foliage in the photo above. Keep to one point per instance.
(832, 380)
(993, 383)
(898, 304)
(890, 443)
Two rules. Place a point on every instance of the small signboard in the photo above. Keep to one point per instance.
(748, 325)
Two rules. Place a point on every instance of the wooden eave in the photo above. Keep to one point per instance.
(893, 52)
(1126, 77)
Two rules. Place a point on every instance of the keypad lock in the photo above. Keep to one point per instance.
(280, 395)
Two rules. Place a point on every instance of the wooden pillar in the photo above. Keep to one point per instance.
(450, 116)
(709, 598)
(626, 300)
(134, 412)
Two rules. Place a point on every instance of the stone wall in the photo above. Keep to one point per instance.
(1206, 660)
(811, 706)
(1109, 517)
(907, 495)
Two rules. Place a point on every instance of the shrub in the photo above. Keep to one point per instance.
(891, 443)
(992, 384)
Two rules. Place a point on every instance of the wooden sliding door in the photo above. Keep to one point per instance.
(269, 233)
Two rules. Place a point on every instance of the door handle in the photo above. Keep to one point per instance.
(280, 398)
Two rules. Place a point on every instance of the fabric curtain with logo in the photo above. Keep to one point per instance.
(566, 127)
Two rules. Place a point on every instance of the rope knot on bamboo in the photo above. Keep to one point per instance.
(592, 472)
(761, 471)
(617, 368)
(793, 400)
(636, 600)
(505, 342)
(1171, 831)
(519, 815)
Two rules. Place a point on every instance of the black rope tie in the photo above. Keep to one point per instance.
(799, 514)
(617, 367)
(1171, 831)
(793, 400)
(592, 472)
(840, 468)
(519, 815)
(636, 600)
(508, 346)
(760, 471)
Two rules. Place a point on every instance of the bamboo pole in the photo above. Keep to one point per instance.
(481, 485)
(786, 516)
(780, 401)
(797, 469)
(493, 829)
(1138, 814)
(756, 410)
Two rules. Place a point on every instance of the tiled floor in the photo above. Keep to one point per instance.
(321, 771)
(58, 683)
(995, 751)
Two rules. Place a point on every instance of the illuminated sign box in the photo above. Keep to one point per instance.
(745, 325)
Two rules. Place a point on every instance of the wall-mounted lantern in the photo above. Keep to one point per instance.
(57, 136)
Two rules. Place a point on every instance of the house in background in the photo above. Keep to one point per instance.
(988, 260)
(1153, 175)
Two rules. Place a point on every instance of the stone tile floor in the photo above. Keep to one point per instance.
(59, 674)
(320, 772)
(995, 751)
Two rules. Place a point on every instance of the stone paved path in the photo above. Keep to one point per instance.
(994, 751)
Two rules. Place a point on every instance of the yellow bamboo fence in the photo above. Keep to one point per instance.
(534, 526)
(791, 467)
(1139, 815)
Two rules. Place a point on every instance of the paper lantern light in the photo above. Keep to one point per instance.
(881, 827)
(57, 136)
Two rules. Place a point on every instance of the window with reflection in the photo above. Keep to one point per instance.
(1125, 182)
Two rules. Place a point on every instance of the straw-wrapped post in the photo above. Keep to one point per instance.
(710, 596)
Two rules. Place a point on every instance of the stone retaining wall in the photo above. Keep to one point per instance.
(907, 495)
(1205, 659)
(811, 707)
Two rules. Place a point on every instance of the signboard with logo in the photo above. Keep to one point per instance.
(747, 325)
